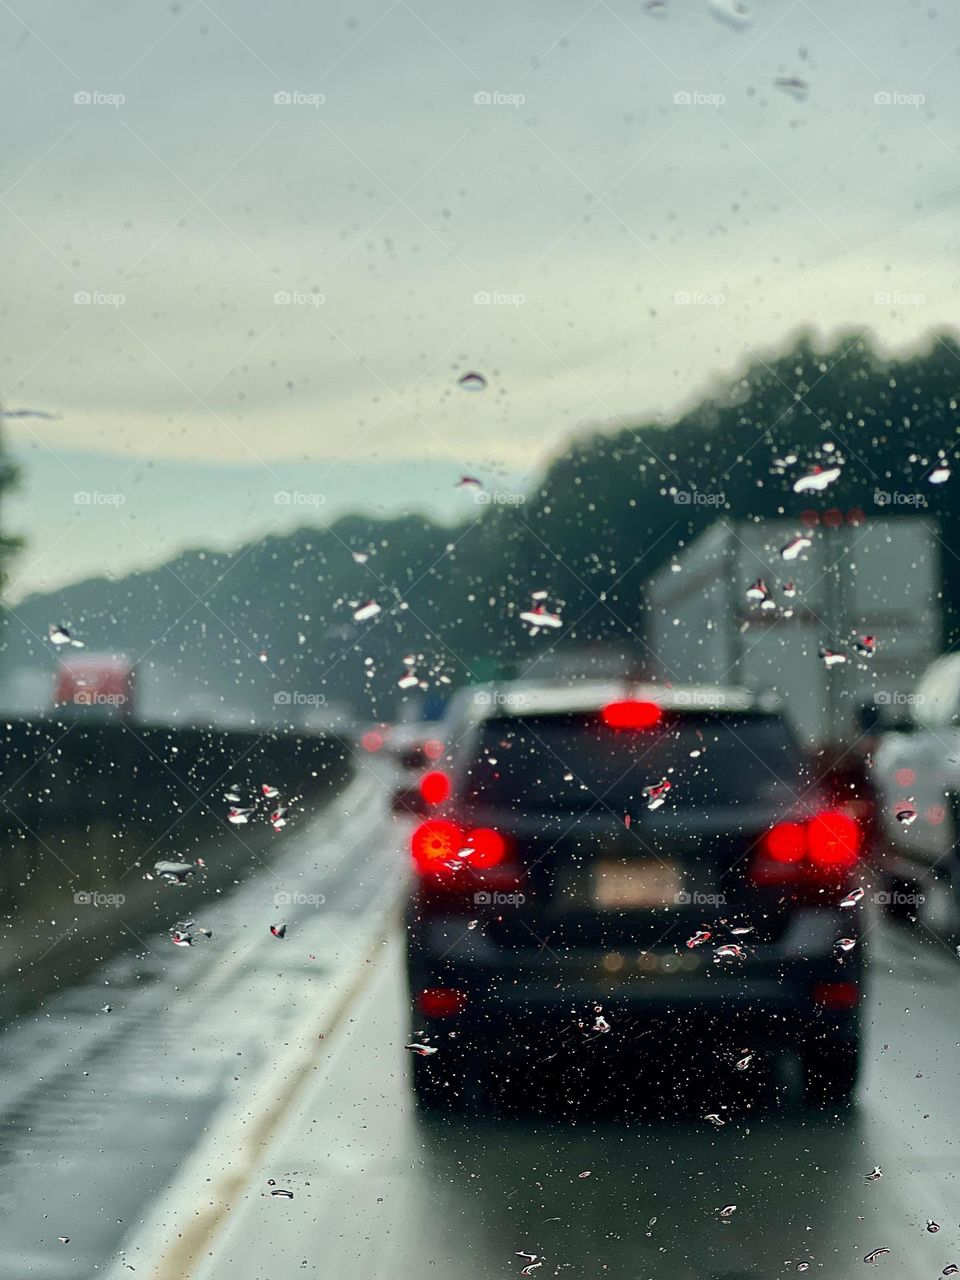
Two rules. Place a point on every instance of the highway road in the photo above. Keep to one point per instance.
(153, 1136)
(380, 1194)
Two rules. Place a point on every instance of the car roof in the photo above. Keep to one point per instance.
(520, 698)
(410, 733)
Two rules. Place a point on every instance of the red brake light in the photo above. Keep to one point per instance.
(433, 748)
(435, 787)
(837, 996)
(833, 840)
(489, 847)
(631, 714)
(798, 851)
(441, 1002)
(434, 843)
(786, 842)
(372, 740)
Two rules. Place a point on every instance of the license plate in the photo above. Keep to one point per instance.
(635, 884)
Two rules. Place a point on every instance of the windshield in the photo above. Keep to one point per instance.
(367, 362)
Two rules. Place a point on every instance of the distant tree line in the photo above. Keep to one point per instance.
(608, 512)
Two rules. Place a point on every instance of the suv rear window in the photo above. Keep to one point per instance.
(559, 762)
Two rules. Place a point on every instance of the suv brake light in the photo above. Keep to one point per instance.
(441, 847)
(631, 714)
(435, 843)
(833, 841)
(488, 847)
(828, 842)
(786, 842)
(441, 1002)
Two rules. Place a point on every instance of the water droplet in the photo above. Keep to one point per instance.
(366, 611)
(795, 546)
(816, 480)
(797, 88)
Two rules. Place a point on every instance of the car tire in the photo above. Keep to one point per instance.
(831, 1068)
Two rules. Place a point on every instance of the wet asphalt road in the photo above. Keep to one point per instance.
(381, 1192)
(99, 1110)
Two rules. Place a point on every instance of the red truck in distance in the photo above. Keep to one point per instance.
(100, 685)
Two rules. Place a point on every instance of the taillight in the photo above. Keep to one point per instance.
(791, 851)
(838, 997)
(489, 847)
(433, 748)
(786, 842)
(833, 840)
(444, 848)
(441, 1002)
(372, 740)
(435, 843)
(434, 787)
(630, 713)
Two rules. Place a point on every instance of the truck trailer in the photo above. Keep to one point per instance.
(836, 617)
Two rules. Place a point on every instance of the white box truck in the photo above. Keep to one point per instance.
(870, 578)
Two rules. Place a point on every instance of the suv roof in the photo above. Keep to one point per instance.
(522, 698)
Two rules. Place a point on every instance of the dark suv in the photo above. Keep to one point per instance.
(651, 858)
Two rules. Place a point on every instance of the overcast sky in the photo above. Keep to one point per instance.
(584, 197)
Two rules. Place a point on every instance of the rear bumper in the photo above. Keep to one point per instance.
(777, 991)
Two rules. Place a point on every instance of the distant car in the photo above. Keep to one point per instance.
(657, 854)
(416, 746)
(98, 685)
(917, 775)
